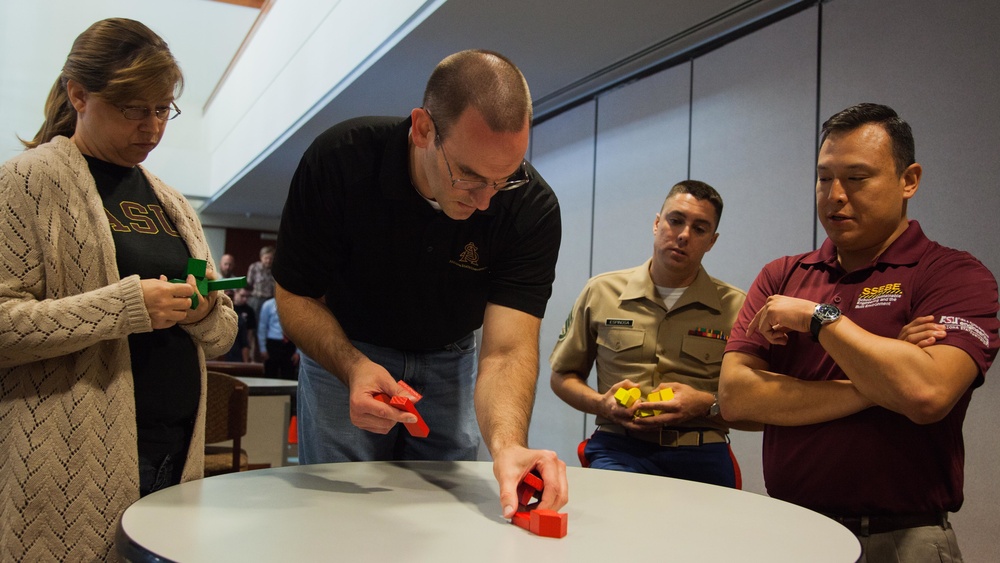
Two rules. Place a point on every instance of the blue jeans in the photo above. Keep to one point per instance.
(708, 463)
(446, 379)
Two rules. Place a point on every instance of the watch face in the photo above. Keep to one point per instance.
(827, 313)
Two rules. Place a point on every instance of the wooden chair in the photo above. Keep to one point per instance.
(225, 419)
(239, 369)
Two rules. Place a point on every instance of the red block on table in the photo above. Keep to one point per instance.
(521, 519)
(548, 523)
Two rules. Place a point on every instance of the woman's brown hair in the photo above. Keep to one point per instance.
(117, 59)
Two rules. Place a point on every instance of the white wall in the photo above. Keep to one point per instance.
(755, 106)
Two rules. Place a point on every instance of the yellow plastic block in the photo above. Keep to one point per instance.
(662, 395)
(627, 397)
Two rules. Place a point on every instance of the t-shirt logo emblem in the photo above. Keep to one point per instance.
(470, 255)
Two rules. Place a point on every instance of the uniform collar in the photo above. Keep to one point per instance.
(702, 290)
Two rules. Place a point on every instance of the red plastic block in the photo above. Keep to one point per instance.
(548, 523)
(534, 480)
(415, 398)
(418, 428)
(529, 488)
(521, 519)
(525, 494)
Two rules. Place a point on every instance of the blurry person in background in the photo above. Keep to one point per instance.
(245, 344)
(260, 281)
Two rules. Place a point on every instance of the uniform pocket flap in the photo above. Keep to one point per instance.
(705, 350)
(619, 339)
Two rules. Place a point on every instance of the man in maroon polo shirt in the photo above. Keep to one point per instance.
(861, 357)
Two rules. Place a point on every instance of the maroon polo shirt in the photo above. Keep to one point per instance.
(875, 461)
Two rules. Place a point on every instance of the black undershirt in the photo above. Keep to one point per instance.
(164, 362)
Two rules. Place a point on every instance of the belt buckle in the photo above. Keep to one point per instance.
(674, 437)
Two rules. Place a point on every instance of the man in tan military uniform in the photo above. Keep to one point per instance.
(660, 325)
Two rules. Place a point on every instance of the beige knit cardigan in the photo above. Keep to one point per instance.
(68, 460)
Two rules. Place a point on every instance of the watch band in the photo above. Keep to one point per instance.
(814, 325)
(714, 409)
(823, 315)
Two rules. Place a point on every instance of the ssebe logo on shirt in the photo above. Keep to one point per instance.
(880, 296)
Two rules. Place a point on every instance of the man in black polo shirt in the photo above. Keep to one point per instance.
(401, 237)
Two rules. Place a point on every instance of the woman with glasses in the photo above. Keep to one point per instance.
(102, 359)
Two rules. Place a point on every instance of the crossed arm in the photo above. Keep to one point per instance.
(912, 375)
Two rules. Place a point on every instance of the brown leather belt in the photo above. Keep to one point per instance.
(880, 524)
(670, 437)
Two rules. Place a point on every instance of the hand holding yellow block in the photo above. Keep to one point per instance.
(665, 394)
(627, 397)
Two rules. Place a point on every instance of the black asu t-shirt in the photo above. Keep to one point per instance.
(164, 362)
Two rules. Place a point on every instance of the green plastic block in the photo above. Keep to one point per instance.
(197, 268)
(227, 283)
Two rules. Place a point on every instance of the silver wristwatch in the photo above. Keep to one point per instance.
(823, 314)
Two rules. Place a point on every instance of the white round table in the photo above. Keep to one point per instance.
(449, 511)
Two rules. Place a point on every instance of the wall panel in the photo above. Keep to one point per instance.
(642, 148)
(753, 116)
(562, 150)
(752, 138)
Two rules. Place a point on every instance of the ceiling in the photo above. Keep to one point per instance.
(567, 49)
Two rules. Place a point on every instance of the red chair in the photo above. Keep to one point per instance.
(293, 430)
(736, 465)
(736, 468)
(579, 453)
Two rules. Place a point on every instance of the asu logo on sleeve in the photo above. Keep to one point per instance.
(880, 296)
(958, 323)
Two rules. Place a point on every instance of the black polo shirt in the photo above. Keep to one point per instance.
(394, 271)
